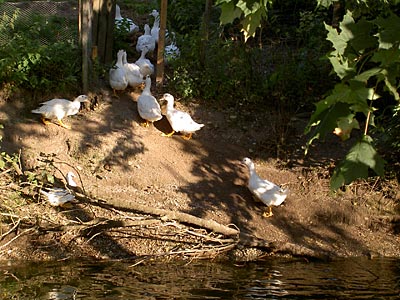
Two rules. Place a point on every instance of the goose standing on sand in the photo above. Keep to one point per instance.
(266, 191)
(145, 65)
(132, 73)
(57, 196)
(147, 105)
(59, 108)
(146, 40)
(117, 74)
(155, 29)
(180, 121)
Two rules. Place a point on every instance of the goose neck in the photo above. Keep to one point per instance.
(119, 59)
(117, 13)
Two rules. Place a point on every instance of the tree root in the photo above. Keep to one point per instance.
(191, 236)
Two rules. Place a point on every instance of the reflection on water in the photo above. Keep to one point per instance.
(355, 278)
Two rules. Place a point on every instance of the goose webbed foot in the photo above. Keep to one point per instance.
(60, 122)
(187, 136)
(168, 134)
(45, 121)
(145, 124)
(268, 214)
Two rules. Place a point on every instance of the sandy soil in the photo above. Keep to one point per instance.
(120, 161)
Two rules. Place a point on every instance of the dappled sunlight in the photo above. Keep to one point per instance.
(319, 239)
(215, 192)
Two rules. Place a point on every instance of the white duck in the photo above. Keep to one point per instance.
(132, 73)
(71, 183)
(117, 74)
(147, 104)
(57, 196)
(266, 191)
(146, 40)
(59, 108)
(120, 21)
(180, 121)
(145, 65)
(70, 179)
(155, 30)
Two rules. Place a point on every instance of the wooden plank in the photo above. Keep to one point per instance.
(101, 29)
(95, 21)
(161, 43)
(86, 41)
(108, 56)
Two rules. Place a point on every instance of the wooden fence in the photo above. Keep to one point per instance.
(96, 27)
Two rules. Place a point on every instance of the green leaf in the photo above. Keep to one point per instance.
(338, 42)
(361, 157)
(325, 3)
(50, 178)
(361, 37)
(229, 13)
(345, 125)
(338, 93)
(389, 28)
(358, 96)
(391, 81)
(250, 24)
(364, 76)
(386, 57)
(324, 119)
(341, 66)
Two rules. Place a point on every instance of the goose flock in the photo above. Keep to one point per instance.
(135, 74)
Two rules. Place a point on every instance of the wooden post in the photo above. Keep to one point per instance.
(103, 29)
(110, 8)
(161, 43)
(85, 37)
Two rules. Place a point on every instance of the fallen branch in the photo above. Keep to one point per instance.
(244, 238)
(15, 237)
(169, 215)
(11, 230)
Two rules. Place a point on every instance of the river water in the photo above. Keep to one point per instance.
(350, 278)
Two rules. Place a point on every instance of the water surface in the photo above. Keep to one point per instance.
(355, 278)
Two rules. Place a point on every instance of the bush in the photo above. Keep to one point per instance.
(33, 58)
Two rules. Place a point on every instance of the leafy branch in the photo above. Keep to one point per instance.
(366, 58)
(250, 13)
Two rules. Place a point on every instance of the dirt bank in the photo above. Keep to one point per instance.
(125, 168)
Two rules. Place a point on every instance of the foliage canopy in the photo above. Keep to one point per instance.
(365, 59)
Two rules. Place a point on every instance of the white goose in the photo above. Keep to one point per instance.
(120, 21)
(180, 121)
(266, 191)
(155, 30)
(117, 74)
(145, 65)
(147, 104)
(59, 108)
(132, 73)
(146, 40)
(57, 196)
